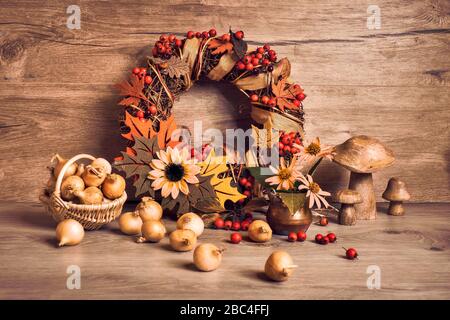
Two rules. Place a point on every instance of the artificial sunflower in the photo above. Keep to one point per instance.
(285, 176)
(172, 172)
(315, 193)
(313, 150)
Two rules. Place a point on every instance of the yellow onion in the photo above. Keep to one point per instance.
(149, 209)
(207, 257)
(113, 186)
(60, 162)
(130, 223)
(279, 266)
(69, 233)
(93, 177)
(102, 165)
(91, 195)
(192, 222)
(80, 169)
(259, 231)
(182, 240)
(153, 231)
(70, 185)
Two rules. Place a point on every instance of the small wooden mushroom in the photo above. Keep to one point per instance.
(363, 155)
(396, 193)
(348, 198)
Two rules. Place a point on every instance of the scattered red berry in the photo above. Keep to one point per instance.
(235, 238)
(249, 67)
(332, 237)
(178, 43)
(287, 149)
(212, 32)
(243, 181)
(325, 240)
(172, 38)
(255, 61)
(272, 102)
(318, 237)
(301, 236)
(286, 140)
(140, 114)
(190, 34)
(226, 37)
(254, 97)
(351, 253)
(247, 193)
(266, 47)
(163, 38)
(136, 70)
(240, 65)
(244, 225)
(205, 35)
(227, 224)
(297, 103)
(292, 237)
(239, 35)
(248, 185)
(265, 62)
(148, 79)
(272, 53)
(260, 50)
(323, 221)
(153, 110)
(300, 96)
(198, 35)
(236, 226)
(265, 99)
(219, 223)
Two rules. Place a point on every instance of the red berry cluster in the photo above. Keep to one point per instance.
(351, 253)
(166, 45)
(246, 182)
(286, 143)
(263, 57)
(228, 224)
(323, 221)
(329, 238)
(299, 236)
(201, 35)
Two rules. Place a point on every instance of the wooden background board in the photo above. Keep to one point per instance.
(56, 84)
(411, 252)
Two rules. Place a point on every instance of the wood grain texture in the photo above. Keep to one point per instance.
(56, 84)
(411, 252)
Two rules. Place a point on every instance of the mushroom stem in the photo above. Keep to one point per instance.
(347, 215)
(363, 183)
(396, 208)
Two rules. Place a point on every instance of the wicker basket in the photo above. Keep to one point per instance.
(91, 216)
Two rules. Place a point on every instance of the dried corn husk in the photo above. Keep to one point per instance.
(226, 64)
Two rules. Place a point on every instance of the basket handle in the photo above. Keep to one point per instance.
(65, 167)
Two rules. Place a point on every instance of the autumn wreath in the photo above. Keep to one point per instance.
(152, 157)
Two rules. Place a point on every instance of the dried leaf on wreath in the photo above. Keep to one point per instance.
(239, 46)
(209, 205)
(133, 90)
(285, 94)
(213, 166)
(174, 67)
(139, 128)
(219, 46)
(137, 166)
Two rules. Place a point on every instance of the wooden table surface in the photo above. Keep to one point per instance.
(411, 252)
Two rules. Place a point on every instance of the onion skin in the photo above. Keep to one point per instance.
(92, 177)
(91, 195)
(191, 221)
(207, 257)
(153, 230)
(183, 240)
(70, 185)
(259, 231)
(69, 233)
(279, 266)
(149, 209)
(113, 186)
(130, 223)
(102, 165)
(60, 162)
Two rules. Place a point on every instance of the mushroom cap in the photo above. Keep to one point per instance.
(347, 196)
(396, 191)
(363, 154)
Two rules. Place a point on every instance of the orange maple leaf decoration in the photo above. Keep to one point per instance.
(139, 128)
(285, 94)
(220, 46)
(133, 90)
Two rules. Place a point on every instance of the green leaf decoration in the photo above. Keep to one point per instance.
(138, 166)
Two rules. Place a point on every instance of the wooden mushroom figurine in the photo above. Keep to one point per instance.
(348, 198)
(396, 193)
(363, 155)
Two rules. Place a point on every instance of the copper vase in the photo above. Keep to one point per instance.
(289, 212)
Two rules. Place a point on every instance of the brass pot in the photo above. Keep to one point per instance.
(289, 212)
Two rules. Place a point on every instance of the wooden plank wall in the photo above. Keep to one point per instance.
(393, 83)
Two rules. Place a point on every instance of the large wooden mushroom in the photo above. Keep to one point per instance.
(363, 155)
